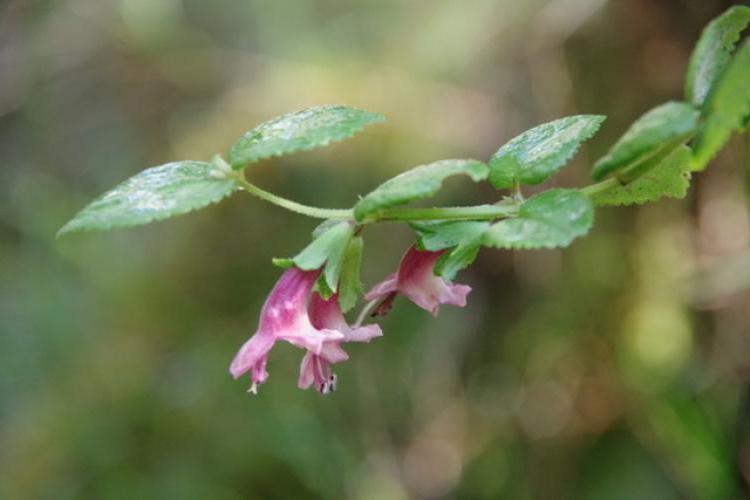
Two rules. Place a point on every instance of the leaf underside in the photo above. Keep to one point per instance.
(420, 182)
(535, 155)
(550, 219)
(463, 238)
(303, 130)
(350, 284)
(713, 52)
(669, 178)
(154, 194)
(726, 110)
(669, 122)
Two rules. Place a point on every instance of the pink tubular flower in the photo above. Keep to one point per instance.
(284, 317)
(416, 280)
(316, 367)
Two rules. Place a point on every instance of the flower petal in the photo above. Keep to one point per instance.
(417, 281)
(364, 333)
(385, 287)
(252, 356)
(311, 339)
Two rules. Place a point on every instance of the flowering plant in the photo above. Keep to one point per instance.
(654, 158)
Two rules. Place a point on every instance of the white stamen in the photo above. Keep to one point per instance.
(329, 385)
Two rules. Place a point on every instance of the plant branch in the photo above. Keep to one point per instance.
(478, 212)
(600, 187)
(366, 309)
(293, 206)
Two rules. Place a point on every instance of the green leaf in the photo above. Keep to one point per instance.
(670, 178)
(419, 182)
(461, 257)
(350, 284)
(670, 122)
(328, 248)
(537, 154)
(282, 262)
(306, 129)
(464, 237)
(713, 52)
(435, 236)
(322, 287)
(549, 219)
(154, 194)
(726, 109)
(325, 226)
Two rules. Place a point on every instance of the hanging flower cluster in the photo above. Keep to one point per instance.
(298, 314)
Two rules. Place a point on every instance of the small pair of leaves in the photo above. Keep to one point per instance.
(713, 52)
(672, 122)
(550, 219)
(154, 194)
(420, 182)
(726, 110)
(327, 248)
(670, 177)
(303, 130)
(464, 238)
(535, 155)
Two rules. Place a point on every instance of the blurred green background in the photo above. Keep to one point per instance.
(615, 369)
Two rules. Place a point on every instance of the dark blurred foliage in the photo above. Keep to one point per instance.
(613, 369)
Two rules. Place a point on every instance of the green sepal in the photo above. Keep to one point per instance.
(420, 182)
(350, 284)
(282, 262)
(321, 286)
(303, 130)
(550, 219)
(670, 122)
(535, 155)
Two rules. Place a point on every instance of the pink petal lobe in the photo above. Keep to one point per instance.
(316, 370)
(252, 356)
(385, 287)
(364, 333)
(333, 353)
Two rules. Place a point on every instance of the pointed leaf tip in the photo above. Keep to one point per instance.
(713, 52)
(154, 194)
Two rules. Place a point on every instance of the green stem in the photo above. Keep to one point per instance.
(316, 212)
(600, 187)
(479, 212)
(367, 309)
